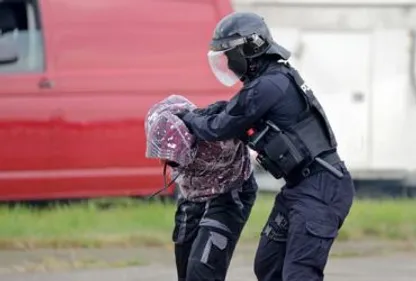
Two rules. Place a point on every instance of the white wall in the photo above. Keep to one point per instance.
(393, 101)
(333, 14)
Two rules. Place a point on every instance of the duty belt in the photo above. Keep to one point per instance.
(322, 163)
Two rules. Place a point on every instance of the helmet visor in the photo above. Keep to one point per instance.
(219, 64)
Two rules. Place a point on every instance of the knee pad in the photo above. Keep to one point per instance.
(209, 258)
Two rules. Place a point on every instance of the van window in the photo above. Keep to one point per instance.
(20, 26)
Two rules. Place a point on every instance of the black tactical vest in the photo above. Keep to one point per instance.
(319, 136)
(281, 152)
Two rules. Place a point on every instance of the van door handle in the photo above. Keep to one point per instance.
(45, 83)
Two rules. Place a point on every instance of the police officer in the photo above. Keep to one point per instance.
(277, 115)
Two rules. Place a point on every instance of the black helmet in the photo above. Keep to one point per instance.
(249, 31)
(239, 38)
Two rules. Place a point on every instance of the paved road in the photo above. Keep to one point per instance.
(397, 267)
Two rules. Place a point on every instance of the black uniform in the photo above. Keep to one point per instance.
(206, 234)
(294, 140)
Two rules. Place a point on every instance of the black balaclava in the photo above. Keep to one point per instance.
(248, 69)
(236, 62)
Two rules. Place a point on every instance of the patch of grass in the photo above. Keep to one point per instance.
(136, 223)
(368, 219)
(384, 219)
(87, 225)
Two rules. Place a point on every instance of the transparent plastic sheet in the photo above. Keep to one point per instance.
(218, 62)
(167, 137)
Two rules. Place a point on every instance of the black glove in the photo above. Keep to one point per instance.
(182, 113)
(211, 109)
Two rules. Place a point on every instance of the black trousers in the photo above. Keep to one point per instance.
(206, 234)
(302, 226)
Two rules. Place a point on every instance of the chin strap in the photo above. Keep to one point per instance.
(166, 184)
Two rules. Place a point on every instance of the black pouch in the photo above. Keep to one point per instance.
(281, 150)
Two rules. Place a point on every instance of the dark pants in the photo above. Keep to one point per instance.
(302, 226)
(206, 234)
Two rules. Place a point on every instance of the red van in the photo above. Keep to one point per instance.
(76, 80)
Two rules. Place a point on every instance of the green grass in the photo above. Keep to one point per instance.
(133, 223)
(387, 219)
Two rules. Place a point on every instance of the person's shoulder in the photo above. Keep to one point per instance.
(269, 82)
(275, 79)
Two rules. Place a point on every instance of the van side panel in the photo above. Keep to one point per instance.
(76, 129)
(110, 61)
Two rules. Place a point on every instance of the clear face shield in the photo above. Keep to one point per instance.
(219, 64)
(228, 58)
(222, 57)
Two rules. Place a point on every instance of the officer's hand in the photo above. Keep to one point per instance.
(182, 113)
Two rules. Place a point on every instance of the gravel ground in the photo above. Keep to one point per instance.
(358, 262)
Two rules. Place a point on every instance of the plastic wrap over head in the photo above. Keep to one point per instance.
(167, 137)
